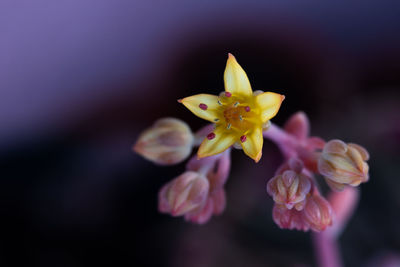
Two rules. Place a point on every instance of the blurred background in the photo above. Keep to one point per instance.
(79, 80)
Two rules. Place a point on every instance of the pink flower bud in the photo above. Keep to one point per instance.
(184, 194)
(298, 125)
(289, 219)
(317, 213)
(289, 189)
(343, 164)
(169, 141)
(298, 142)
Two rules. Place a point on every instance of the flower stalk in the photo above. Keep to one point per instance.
(240, 118)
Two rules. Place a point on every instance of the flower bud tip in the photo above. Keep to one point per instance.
(343, 164)
(168, 141)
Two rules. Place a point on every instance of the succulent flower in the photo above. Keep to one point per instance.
(169, 141)
(343, 164)
(317, 213)
(241, 118)
(298, 126)
(289, 189)
(238, 113)
(184, 194)
(289, 219)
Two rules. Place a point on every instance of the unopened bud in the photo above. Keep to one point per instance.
(298, 125)
(289, 189)
(343, 164)
(289, 219)
(169, 141)
(317, 213)
(184, 194)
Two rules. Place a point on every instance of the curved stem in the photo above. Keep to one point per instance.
(326, 250)
(325, 243)
(286, 142)
(344, 204)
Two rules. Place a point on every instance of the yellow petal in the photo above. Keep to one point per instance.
(253, 144)
(235, 78)
(193, 104)
(223, 139)
(269, 103)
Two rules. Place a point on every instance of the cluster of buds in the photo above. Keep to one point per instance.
(290, 187)
(198, 193)
(298, 204)
(241, 119)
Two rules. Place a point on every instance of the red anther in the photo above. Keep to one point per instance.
(228, 94)
(211, 136)
(243, 138)
(203, 106)
(247, 108)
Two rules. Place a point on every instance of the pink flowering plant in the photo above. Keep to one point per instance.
(240, 118)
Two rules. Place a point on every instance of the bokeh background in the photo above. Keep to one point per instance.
(79, 80)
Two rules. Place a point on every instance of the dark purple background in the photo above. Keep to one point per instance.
(80, 79)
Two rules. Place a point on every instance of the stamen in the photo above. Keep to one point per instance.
(203, 106)
(236, 104)
(211, 136)
(228, 94)
(219, 103)
(243, 138)
(228, 126)
(247, 108)
(216, 119)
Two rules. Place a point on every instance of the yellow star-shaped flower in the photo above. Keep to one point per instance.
(238, 113)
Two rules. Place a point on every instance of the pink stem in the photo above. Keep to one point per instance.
(343, 204)
(327, 250)
(286, 142)
(326, 246)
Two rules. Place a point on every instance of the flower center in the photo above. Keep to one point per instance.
(235, 116)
